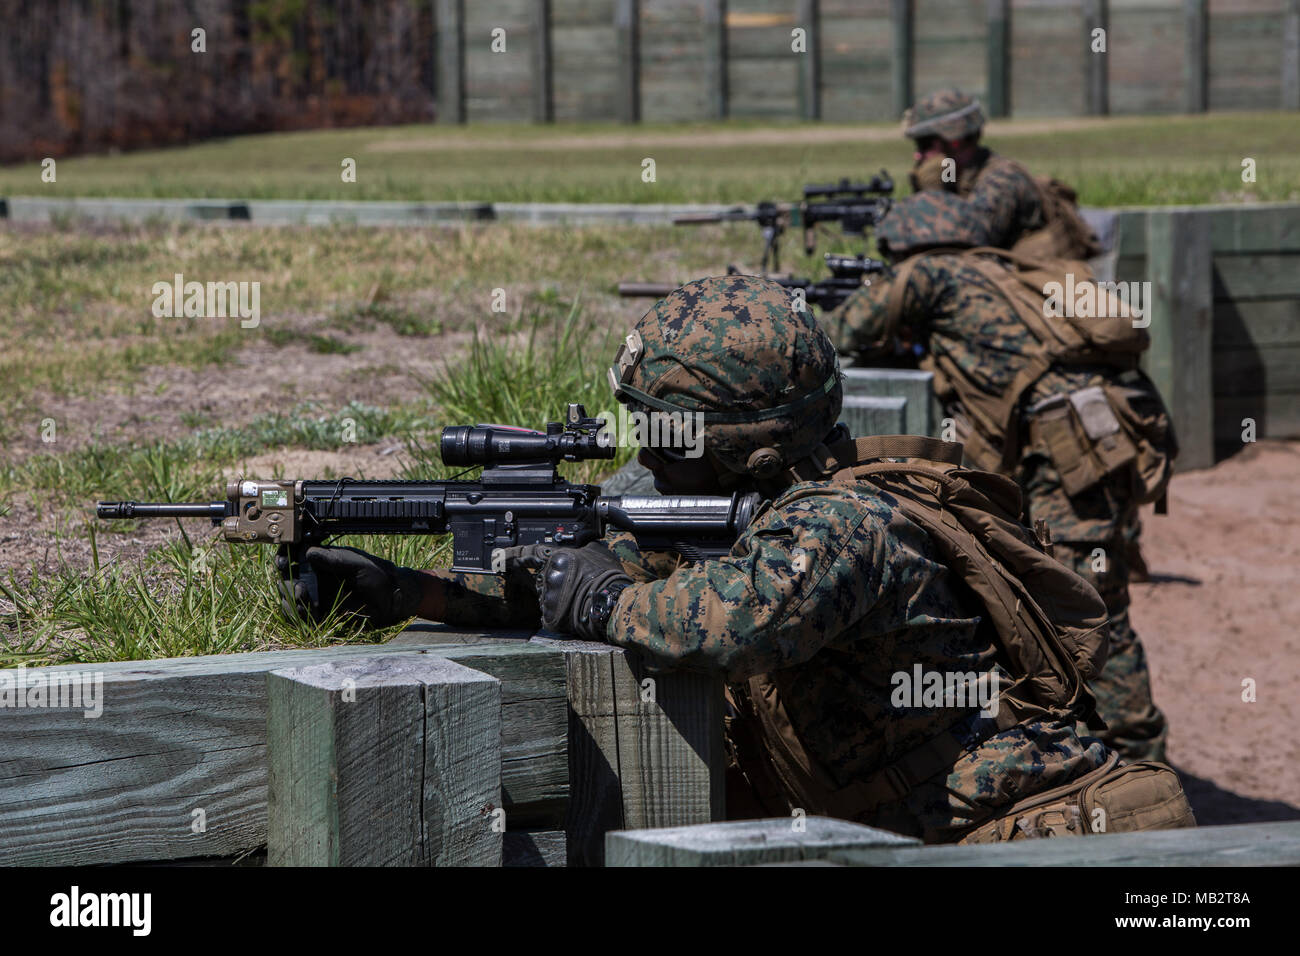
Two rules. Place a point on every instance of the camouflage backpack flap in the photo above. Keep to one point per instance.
(1050, 624)
(1067, 235)
(1108, 336)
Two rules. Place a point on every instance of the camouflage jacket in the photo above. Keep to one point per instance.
(1003, 197)
(831, 592)
(954, 311)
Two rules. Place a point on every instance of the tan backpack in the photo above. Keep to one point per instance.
(1066, 234)
(1050, 624)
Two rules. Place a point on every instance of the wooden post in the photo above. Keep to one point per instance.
(384, 761)
(1196, 58)
(808, 16)
(1097, 99)
(644, 751)
(1181, 312)
(449, 18)
(1291, 55)
(715, 21)
(900, 13)
(627, 30)
(999, 57)
(543, 73)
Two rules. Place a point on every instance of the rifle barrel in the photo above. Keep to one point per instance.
(216, 510)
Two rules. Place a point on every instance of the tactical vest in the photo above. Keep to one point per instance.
(1091, 433)
(1048, 623)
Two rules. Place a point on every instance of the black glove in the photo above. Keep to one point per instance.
(356, 582)
(577, 589)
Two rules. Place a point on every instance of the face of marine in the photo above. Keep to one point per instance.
(681, 476)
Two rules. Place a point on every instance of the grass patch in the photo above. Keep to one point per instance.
(1112, 160)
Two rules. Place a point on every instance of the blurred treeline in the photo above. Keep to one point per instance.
(89, 75)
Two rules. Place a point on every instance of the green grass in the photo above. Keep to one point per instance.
(1115, 161)
(198, 595)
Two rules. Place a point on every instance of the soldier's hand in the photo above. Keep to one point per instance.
(577, 589)
(928, 174)
(354, 582)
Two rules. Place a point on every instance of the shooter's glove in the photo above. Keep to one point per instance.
(350, 580)
(577, 588)
(929, 175)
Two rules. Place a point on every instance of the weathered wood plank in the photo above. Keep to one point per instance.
(904, 48)
(1256, 276)
(534, 848)
(1180, 313)
(391, 760)
(644, 751)
(1261, 323)
(998, 66)
(746, 842)
(1251, 371)
(875, 415)
(176, 765)
(1244, 844)
(1291, 56)
(1276, 415)
(450, 55)
(921, 412)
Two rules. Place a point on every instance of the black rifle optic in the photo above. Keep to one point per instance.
(847, 275)
(519, 500)
(855, 206)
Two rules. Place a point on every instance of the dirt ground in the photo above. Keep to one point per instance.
(1223, 607)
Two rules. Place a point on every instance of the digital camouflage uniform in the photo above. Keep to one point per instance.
(956, 312)
(830, 591)
(998, 193)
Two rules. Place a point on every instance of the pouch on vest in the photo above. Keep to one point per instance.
(1146, 795)
(1145, 419)
(1083, 437)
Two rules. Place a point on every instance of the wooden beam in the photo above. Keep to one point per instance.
(920, 411)
(746, 842)
(715, 22)
(1242, 844)
(175, 767)
(644, 751)
(875, 415)
(449, 20)
(627, 32)
(808, 16)
(1096, 65)
(1291, 55)
(999, 58)
(900, 15)
(1180, 312)
(543, 67)
(1196, 56)
(391, 760)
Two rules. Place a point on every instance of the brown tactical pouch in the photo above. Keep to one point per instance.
(1112, 799)
(1146, 795)
(1145, 419)
(1083, 436)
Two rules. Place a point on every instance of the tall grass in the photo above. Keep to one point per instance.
(198, 595)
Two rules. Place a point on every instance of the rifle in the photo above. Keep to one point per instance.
(518, 501)
(847, 273)
(855, 206)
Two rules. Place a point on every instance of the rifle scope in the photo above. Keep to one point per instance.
(490, 444)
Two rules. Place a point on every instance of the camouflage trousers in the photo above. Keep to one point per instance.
(1091, 534)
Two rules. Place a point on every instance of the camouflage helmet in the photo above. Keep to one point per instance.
(926, 220)
(762, 373)
(948, 113)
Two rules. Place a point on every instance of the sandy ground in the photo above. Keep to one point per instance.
(1223, 607)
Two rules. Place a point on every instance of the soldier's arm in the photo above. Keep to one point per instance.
(796, 581)
(859, 323)
(1006, 201)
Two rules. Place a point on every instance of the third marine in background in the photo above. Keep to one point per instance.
(1055, 402)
